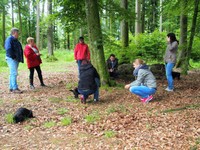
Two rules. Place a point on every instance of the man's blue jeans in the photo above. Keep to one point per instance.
(142, 91)
(13, 66)
(79, 65)
(86, 93)
(169, 67)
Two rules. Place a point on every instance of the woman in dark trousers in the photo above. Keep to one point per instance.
(33, 60)
(88, 82)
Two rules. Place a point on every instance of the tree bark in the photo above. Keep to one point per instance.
(20, 21)
(12, 12)
(3, 25)
(193, 28)
(183, 37)
(42, 30)
(124, 26)
(143, 17)
(160, 21)
(50, 30)
(38, 25)
(96, 41)
(137, 17)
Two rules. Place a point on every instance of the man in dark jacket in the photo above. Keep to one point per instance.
(112, 64)
(88, 82)
(14, 55)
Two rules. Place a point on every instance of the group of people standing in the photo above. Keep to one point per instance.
(89, 80)
(14, 55)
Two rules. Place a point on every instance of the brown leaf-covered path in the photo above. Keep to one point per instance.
(171, 121)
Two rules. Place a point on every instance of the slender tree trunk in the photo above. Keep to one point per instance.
(143, 17)
(193, 28)
(124, 26)
(20, 21)
(49, 30)
(96, 41)
(12, 9)
(3, 25)
(68, 41)
(138, 17)
(183, 37)
(81, 31)
(38, 25)
(42, 30)
(160, 21)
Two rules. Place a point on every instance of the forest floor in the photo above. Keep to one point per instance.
(118, 121)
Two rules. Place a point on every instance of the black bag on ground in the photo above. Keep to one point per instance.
(21, 114)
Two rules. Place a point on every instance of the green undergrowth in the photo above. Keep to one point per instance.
(66, 121)
(49, 124)
(55, 99)
(109, 134)
(62, 111)
(93, 117)
(9, 118)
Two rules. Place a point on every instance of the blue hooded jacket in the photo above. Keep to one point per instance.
(14, 49)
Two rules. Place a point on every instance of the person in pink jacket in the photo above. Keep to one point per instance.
(81, 52)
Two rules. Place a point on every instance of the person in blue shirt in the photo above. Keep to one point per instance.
(14, 55)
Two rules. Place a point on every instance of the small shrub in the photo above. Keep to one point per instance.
(111, 110)
(109, 134)
(66, 121)
(49, 124)
(51, 58)
(9, 118)
(62, 111)
(93, 117)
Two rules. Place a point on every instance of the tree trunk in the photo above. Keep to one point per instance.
(143, 17)
(96, 41)
(3, 25)
(193, 28)
(42, 30)
(38, 25)
(160, 21)
(183, 37)
(12, 9)
(68, 41)
(49, 30)
(124, 25)
(138, 17)
(20, 21)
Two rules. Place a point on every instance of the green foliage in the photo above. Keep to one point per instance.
(62, 111)
(28, 127)
(9, 118)
(195, 54)
(71, 99)
(51, 58)
(109, 134)
(93, 117)
(49, 124)
(66, 121)
(148, 46)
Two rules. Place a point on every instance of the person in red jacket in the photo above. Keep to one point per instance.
(81, 52)
(33, 60)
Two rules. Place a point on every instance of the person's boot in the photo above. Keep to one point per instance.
(41, 81)
(31, 84)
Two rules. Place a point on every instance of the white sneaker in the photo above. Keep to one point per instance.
(169, 90)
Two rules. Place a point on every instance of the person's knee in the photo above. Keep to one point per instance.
(133, 90)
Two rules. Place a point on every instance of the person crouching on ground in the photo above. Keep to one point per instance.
(112, 64)
(145, 84)
(89, 81)
(33, 60)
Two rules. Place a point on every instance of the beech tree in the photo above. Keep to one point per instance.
(96, 40)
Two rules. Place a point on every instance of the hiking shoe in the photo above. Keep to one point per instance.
(17, 91)
(42, 85)
(32, 87)
(148, 99)
(96, 100)
(169, 90)
(83, 100)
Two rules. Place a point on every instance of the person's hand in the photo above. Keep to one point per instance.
(127, 86)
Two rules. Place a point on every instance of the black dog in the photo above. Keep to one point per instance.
(75, 92)
(176, 75)
(22, 114)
